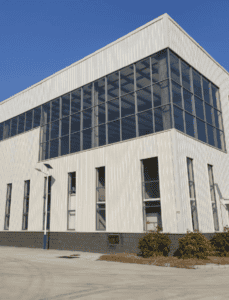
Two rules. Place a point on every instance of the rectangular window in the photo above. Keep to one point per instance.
(47, 202)
(26, 205)
(192, 194)
(213, 198)
(71, 200)
(151, 194)
(8, 204)
(100, 199)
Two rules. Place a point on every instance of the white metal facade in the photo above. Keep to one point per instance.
(19, 154)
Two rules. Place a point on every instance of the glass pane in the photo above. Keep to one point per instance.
(215, 96)
(206, 90)
(215, 217)
(55, 114)
(87, 118)
(150, 168)
(87, 139)
(113, 86)
(100, 115)
(145, 123)
(153, 218)
(7, 129)
(65, 126)
(199, 108)
(87, 96)
(14, 122)
(44, 151)
(197, 83)
(113, 109)
(54, 145)
(210, 135)
(76, 101)
(72, 202)
(220, 139)
(151, 190)
(21, 123)
(44, 133)
(189, 119)
(178, 118)
(71, 220)
(66, 105)
(128, 128)
(1, 131)
(127, 80)
(99, 91)
(159, 66)
(143, 73)
(46, 113)
(55, 129)
(216, 114)
(101, 219)
(176, 93)
(152, 203)
(100, 135)
(191, 189)
(65, 145)
(161, 93)
(201, 130)
(36, 117)
(113, 132)
(144, 100)
(194, 215)
(174, 65)
(75, 142)
(75, 123)
(209, 113)
(127, 105)
(188, 103)
(101, 194)
(162, 116)
(186, 81)
(29, 120)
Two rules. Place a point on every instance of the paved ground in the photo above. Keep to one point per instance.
(40, 274)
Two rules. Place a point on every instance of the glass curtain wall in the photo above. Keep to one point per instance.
(196, 103)
(154, 94)
(47, 205)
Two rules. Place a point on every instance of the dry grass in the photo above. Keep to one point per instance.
(163, 261)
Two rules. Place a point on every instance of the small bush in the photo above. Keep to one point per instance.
(220, 242)
(154, 244)
(194, 245)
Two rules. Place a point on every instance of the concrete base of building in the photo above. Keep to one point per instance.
(99, 242)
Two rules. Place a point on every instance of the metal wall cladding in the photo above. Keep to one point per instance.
(138, 44)
(122, 163)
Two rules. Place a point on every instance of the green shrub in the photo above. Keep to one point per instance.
(154, 244)
(220, 242)
(194, 245)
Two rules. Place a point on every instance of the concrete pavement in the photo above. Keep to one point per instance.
(44, 274)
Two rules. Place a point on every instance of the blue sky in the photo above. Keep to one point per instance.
(39, 38)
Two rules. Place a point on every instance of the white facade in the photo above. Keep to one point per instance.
(122, 160)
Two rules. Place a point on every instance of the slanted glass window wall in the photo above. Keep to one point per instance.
(157, 93)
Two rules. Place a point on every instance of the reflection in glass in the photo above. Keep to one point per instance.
(188, 103)
(127, 80)
(36, 117)
(55, 114)
(197, 83)
(54, 148)
(99, 91)
(87, 96)
(145, 123)
(29, 120)
(144, 100)
(113, 85)
(75, 123)
(159, 66)
(189, 120)
(127, 105)
(14, 124)
(201, 130)
(21, 123)
(186, 80)
(87, 139)
(206, 90)
(143, 73)
(64, 145)
(87, 118)
(55, 129)
(178, 118)
(65, 126)
(199, 108)
(161, 93)
(176, 93)
(65, 105)
(174, 65)
(210, 135)
(75, 101)
(75, 142)
(113, 109)
(114, 132)
(128, 128)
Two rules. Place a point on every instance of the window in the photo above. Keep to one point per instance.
(100, 199)
(26, 205)
(8, 204)
(151, 194)
(71, 200)
(192, 194)
(213, 198)
(47, 202)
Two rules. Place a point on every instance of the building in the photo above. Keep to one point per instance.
(132, 136)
